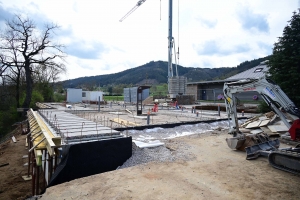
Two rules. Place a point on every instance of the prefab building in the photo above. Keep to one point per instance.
(92, 96)
(74, 95)
(130, 94)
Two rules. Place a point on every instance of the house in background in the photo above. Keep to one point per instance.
(74, 95)
(78, 96)
(92, 96)
(213, 90)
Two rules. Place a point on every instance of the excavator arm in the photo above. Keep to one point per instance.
(269, 91)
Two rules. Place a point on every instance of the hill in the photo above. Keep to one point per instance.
(156, 72)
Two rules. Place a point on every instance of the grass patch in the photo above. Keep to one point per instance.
(113, 98)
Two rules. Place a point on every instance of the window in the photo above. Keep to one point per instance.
(83, 94)
(258, 70)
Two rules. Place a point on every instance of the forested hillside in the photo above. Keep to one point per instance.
(156, 72)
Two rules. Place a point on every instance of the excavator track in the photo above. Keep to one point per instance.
(287, 160)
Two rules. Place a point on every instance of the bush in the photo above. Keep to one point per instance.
(59, 97)
(263, 107)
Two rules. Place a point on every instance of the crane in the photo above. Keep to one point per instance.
(177, 81)
(139, 3)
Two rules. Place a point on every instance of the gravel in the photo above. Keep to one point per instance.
(173, 150)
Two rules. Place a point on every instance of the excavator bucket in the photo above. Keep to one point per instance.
(235, 142)
(246, 141)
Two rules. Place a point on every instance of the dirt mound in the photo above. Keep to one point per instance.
(148, 100)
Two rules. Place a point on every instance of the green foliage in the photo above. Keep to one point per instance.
(159, 90)
(46, 90)
(285, 61)
(113, 98)
(263, 107)
(58, 97)
(36, 97)
(7, 118)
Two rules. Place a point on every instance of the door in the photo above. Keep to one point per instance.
(203, 94)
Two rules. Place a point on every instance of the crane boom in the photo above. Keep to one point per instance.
(140, 2)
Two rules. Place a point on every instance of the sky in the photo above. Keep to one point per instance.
(209, 34)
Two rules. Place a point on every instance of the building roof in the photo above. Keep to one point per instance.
(255, 72)
(209, 82)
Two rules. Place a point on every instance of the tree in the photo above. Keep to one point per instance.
(24, 46)
(285, 62)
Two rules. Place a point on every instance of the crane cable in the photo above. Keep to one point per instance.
(178, 35)
(160, 11)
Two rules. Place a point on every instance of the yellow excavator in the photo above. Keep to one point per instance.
(255, 145)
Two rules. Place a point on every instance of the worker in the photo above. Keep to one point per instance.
(176, 105)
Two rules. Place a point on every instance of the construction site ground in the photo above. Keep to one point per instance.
(208, 169)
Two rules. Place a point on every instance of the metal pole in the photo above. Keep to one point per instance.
(37, 180)
(51, 166)
(33, 174)
(29, 154)
(99, 104)
(45, 157)
(170, 45)
(148, 118)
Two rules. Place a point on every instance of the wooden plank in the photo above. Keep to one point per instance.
(268, 131)
(278, 128)
(256, 131)
(254, 124)
(27, 178)
(21, 109)
(124, 122)
(264, 122)
(273, 118)
(14, 139)
(244, 130)
(4, 164)
(38, 157)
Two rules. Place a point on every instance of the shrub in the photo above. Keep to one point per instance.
(263, 107)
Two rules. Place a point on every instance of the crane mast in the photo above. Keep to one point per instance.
(170, 42)
(173, 82)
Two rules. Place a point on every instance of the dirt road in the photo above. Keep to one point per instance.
(12, 185)
(213, 172)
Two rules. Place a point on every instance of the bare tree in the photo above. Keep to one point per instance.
(11, 69)
(24, 46)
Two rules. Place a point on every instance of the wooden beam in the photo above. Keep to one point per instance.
(124, 122)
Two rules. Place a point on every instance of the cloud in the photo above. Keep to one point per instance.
(37, 18)
(207, 64)
(251, 20)
(5, 15)
(207, 23)
(85, 50)
(266, 47)
(212, 48)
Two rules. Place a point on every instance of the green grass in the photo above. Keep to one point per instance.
(113, 98)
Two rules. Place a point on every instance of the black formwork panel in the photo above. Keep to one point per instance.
(91, 158)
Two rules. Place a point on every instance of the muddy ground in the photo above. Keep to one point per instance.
(12, 185)
(213, 171)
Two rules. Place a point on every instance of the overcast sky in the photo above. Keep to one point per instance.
(210, 34)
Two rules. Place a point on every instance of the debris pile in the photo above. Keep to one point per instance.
(269, 123)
